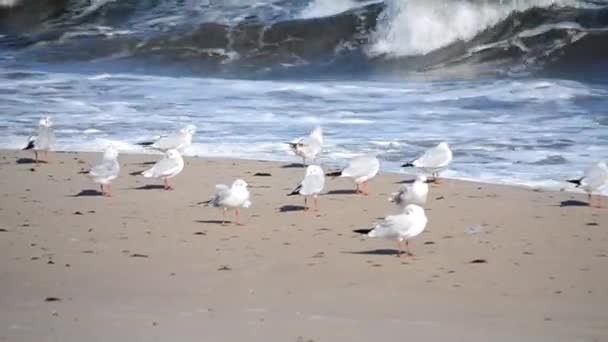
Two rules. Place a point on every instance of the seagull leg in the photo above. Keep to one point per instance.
(224, 217)
(407, 246)
(36, 156)
(103, 192)
(399, 248)
(357, 190)
(166, 183)
(365, 188)
(109, 191)
(316, 201)
(599, 202)
(305, 203)
(238, 221)
(589, 200)
(46, 157)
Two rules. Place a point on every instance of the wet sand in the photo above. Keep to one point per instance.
(154, 265)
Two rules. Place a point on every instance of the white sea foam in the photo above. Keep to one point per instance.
(323, 8)
(506, 131)
(417, 27)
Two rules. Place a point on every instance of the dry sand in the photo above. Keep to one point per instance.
(153, 265)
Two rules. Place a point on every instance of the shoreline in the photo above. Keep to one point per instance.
(155, 264)
(566, 188)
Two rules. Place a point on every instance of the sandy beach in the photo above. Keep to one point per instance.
(154, 265)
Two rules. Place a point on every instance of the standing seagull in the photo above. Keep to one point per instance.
(308, 147)
(106, 170)
(233, 197)
(312, 185)
(433, 160)
(402, 227)
(168, 167)
(415, 193)
(179, 140)
(44, 139)
(361, 170)
(594, 180)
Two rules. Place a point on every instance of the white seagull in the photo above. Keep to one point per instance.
(106, 170)
(231, 197)
(402, 227)
(415, 193)
(434, 160)
(179, 140)
(361, 169)
(594, 180)
(308, 147)
(311, 185)
(44, 140)
(168, 167)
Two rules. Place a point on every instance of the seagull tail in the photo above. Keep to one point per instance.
(30, 145)
(295, 191)
(575, 181)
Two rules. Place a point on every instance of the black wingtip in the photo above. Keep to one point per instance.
(30, 145)
(136, 173)
(145, 143)
(408, 165)
(575, 181)
(295, 191)
(333, 174)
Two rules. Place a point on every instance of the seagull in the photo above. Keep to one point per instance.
(311, 185)
(106, 170)
(361, 169)
(402, 227)
(308, 147)
(433, 160)
(594, 180)
(415, 193)
(179, 140)
(168, 167)
(44, 139)
(230, 197)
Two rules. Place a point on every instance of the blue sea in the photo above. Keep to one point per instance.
(518, 88)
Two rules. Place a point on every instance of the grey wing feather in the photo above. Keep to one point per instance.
(312, 185)
(164, 166)
(360, 166)
(432, 158)
(222, 192)
(103, 169)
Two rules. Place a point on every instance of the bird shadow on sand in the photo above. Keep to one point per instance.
(342, 192)
(150, 187)
(376, 252)
(292, 166)
(87, 193)
(213, 222)
(573, 203)
(289, 208)
(26, 161)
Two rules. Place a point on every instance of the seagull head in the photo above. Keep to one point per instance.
(46, 121)
(190, 129)
(421, 178)
(443, 145)
(414, 210)
(111, 152)
(239, 183)
(314, 170)
(172, 154)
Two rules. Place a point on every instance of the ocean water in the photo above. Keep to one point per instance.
(518, 88)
